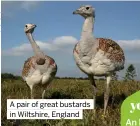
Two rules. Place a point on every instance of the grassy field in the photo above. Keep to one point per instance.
(70, 89)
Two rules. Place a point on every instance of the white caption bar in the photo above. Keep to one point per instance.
(44, 104)
(47, 108)
(45, 114)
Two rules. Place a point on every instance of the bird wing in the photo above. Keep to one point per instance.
(27, 67)
(113, 53)
(112, 49)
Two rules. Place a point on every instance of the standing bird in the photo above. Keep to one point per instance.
(97, 56)
(39, 69)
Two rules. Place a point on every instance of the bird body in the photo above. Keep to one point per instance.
(43, 74)
(39, 69)
(103, 58)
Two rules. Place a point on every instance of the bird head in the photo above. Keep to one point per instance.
(29, 28)
(85, 11)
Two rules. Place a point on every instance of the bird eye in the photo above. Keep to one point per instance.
(26, 26)
(87, 8)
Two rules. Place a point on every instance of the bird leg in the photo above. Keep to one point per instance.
(106, 93)
(45, 87)
(91, 78)
(31, 88)
(43, 94)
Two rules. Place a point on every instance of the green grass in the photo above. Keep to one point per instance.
(70, 89)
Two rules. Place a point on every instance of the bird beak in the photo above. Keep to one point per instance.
(35, 26)
(76, 12)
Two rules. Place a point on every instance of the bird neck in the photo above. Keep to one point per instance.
(87, 38)
(87, 29)
(35, 47)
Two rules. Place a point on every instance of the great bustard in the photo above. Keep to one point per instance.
(97, 56)
(39, 69)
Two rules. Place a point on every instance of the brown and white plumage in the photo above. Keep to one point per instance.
(108, 54)
(39, 69)
(97, 56)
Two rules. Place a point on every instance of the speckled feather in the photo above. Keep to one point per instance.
(27, 66)
(112, 48)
